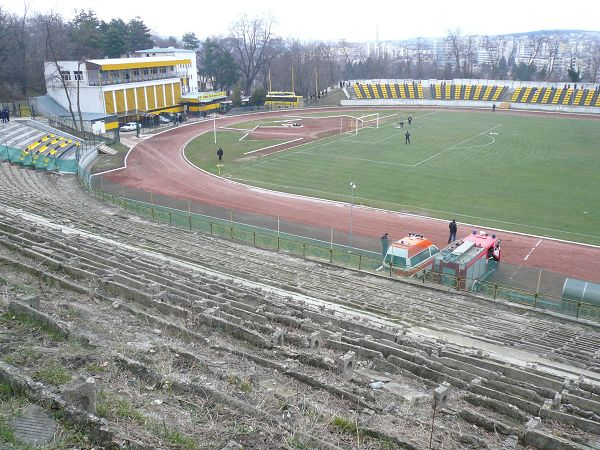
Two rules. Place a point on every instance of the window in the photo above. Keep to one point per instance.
(145, 71)
(153, 71)
(420, 257)
(136, 72)
(398, 261)
(78, 74)
(66, 75)
(163, 70)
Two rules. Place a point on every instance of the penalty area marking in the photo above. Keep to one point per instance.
(235, 129)
(271, 146)
(456, 145)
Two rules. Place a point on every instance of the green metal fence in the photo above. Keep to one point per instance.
(340, 255)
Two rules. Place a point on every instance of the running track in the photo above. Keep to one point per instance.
(157, 165)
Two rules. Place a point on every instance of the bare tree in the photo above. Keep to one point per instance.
(554, 44)
(536, 45)
(594, 60)
(455, 49)
(251, 42)
(494, 48)
(469, 56)
(55, 30)
(20, 37)
(420, 49)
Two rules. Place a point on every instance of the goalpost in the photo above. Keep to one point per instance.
(367, 121)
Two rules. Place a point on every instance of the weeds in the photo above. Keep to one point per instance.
(53, 373)
(22, 357)
(95, 368)
(110, 405)
(27, 321)
(175, 437)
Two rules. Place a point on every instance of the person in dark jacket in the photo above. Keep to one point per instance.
(385, 243)
(407, 138)
(453, 230)
(220, 154)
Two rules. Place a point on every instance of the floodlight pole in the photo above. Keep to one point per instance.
(352, 187)
(215, 126)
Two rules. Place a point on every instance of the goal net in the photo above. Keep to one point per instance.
(367, 121)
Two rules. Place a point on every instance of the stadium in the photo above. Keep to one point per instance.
(172, 301)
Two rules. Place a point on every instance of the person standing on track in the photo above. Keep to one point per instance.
(453, 229)
(385, 243)
(407, 137)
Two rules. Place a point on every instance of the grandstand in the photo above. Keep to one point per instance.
(200, 323)
(388, 90)
(514, 94)
(189, 335)
(33, 144)
(444, 91)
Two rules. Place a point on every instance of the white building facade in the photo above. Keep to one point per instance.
(125, 87)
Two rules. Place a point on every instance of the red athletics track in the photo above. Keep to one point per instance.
(157, 165)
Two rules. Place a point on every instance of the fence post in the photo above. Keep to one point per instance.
(535, 297)
(359, 262)
(495, 290)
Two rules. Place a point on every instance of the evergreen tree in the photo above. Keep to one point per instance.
(236, 95)
(84, 31)
(574, 75)
(114, 38)
(138, 35)
(190, 41)
(258, 97)
(218, 64)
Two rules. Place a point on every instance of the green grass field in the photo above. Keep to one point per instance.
(535, 174)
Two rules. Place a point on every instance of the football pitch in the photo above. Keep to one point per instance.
(528, 173)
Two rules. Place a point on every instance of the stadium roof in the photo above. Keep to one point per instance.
(165, 50)
(134, 63)
(51, 107)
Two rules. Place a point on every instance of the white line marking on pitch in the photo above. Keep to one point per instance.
(271, 146)
(534, 247)
(456, 145)
(240, 139)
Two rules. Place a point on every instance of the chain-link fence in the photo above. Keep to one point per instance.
(536, 288)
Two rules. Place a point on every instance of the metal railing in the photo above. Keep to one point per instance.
(343, 256)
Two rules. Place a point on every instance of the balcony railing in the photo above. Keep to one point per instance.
(105, 80)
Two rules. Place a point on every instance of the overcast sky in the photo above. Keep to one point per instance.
(328, 20)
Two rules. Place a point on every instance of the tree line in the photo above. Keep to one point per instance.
(250, 57)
